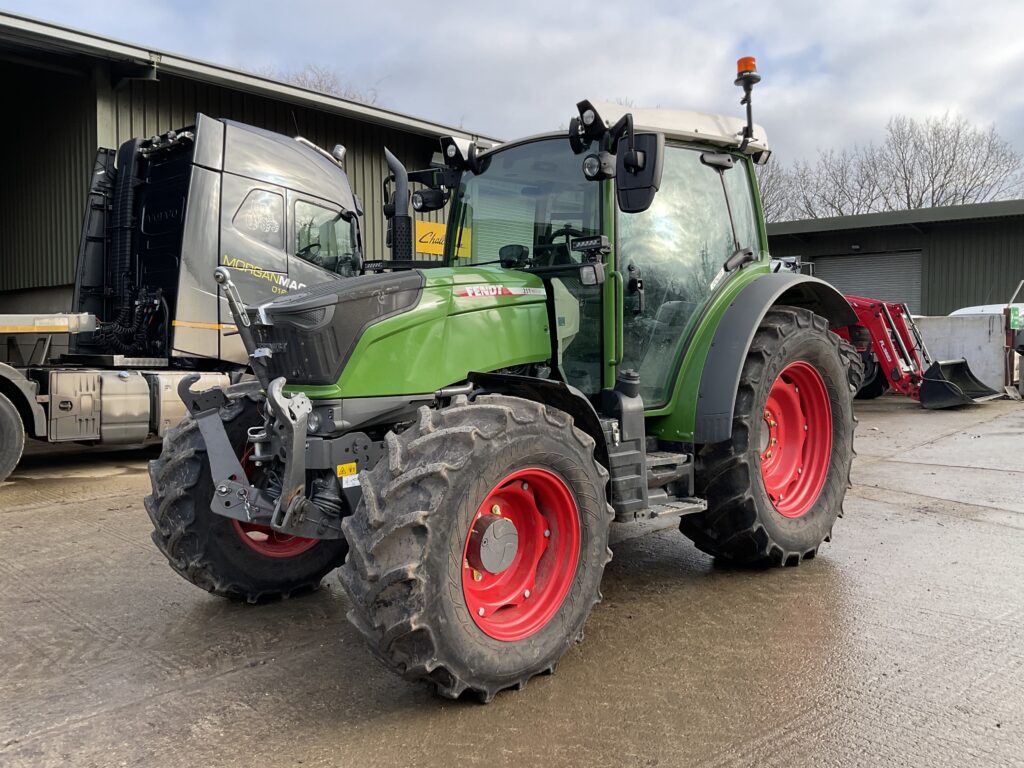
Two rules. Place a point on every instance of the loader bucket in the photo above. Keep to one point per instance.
(950, 383)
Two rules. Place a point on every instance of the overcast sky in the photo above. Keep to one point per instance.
(833, 71)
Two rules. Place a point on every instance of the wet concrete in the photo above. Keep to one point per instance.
(901, 644)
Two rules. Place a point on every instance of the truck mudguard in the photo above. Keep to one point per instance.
(720, 378)
(22, 393)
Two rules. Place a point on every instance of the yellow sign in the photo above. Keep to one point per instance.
(430, 239)
(346, 470)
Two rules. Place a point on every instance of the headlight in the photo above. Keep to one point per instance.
(313, 422)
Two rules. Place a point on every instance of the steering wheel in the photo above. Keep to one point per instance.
(551, 250)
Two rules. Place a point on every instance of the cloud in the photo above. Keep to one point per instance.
(833, 72)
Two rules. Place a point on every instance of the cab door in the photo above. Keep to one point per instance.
(677, 248)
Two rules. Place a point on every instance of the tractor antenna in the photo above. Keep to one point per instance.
(747, 77)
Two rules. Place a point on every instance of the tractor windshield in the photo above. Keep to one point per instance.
(531, 196)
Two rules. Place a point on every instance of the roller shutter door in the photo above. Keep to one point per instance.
(887, 276)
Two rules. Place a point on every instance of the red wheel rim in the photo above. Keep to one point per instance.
(796, 441)
(262, 538)
(271, 543)
(517, 602)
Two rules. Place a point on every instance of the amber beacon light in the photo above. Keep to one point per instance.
(747, 77)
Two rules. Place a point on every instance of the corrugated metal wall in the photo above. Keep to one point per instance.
(51, 142)
(49, 145)
(963, 263)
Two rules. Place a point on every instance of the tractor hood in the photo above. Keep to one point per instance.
(408, 332)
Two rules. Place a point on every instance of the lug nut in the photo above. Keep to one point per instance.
(547, 534)
(799, 470)
(526, 486)
(222, 490)
(805, 427)
(526, 593)
(767, 454)
(479, 611)
(495, 510)
(477, 576)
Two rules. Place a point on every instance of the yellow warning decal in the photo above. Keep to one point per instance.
(347, 470)
(34, 328)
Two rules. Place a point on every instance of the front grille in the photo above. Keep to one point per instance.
(313, 332)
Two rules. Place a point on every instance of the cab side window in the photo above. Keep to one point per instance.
(324, 238)
(677, 248)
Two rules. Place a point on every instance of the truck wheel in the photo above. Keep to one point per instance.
(478, 548)
(875, 383)
(12, 437)
(231, 559)
(775, 491)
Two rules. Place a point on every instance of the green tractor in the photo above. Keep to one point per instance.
(604, 341)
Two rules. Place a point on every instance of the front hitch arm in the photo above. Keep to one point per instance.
(234, 496)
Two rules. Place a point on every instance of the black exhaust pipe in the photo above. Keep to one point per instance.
(397, 210)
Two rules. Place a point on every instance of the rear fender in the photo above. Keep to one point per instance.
(722, 368)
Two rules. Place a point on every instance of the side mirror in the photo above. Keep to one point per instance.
(592, 274)
(638, 170)
(513, 255)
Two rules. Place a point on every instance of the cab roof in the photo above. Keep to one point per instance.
(721, 130)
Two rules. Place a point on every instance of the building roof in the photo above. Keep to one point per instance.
(723, 130)
(55, 38)
(920, 216)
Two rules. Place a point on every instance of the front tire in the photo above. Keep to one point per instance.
(775, 490)
(430, 599)
(216, 553)
(875, 382)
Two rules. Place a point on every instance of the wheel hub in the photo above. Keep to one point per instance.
(795, 442)
(493, 544)
(520, 554)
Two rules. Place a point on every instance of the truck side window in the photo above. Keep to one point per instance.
(260, 217)
(324, 238)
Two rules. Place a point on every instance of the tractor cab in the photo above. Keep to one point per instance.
(634, 221)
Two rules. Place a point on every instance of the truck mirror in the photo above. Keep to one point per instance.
(638, 170)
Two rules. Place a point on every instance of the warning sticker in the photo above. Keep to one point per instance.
(349, 474)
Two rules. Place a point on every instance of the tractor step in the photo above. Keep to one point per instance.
(674, 508)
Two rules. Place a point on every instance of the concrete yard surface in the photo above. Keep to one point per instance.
(902, 643)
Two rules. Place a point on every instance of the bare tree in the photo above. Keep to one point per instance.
(314, 77)
(775, 184)
(945, 161)
(837, 184)
(920, 164)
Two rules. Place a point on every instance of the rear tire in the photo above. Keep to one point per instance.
(12, 437)
(409, 575)
(210, 550)
(811, 462)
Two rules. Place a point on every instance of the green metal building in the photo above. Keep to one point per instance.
(934, 259)
(68, 92)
